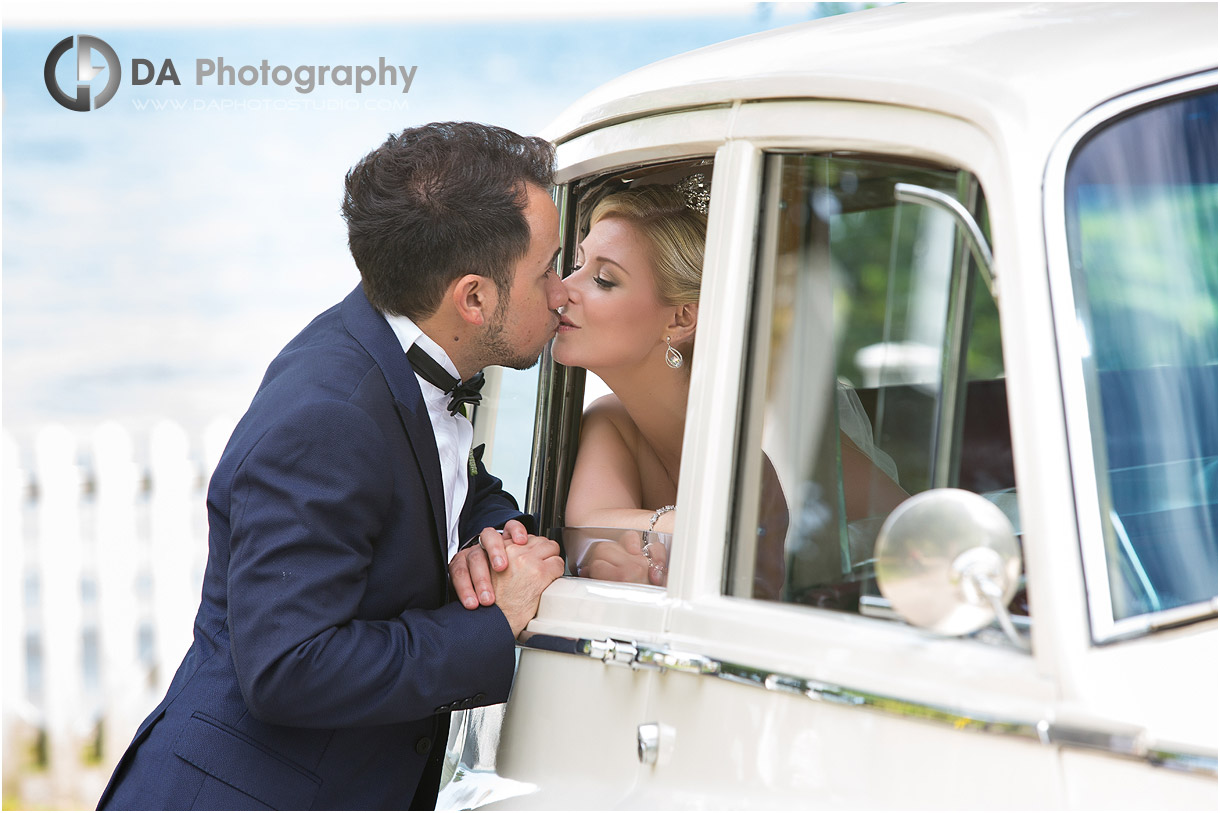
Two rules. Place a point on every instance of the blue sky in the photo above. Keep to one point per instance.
(159, 251)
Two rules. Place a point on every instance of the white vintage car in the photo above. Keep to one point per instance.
(992, 230)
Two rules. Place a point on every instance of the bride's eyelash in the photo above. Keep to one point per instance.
(603, 283)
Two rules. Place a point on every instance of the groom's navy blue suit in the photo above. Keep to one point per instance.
(327, 652)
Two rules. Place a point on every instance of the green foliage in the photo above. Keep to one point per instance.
(892, 263)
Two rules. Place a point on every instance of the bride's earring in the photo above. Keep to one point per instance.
(672, 356)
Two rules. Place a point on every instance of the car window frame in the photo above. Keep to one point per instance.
(691, 611)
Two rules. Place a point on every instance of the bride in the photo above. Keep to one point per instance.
(633, 304)
(632, 310)
(631, 318)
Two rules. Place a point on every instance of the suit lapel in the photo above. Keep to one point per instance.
(376, 336)
(422, 440)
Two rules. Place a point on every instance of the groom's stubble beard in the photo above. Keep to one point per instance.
(498, 350)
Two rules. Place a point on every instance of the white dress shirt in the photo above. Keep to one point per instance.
(454, 433)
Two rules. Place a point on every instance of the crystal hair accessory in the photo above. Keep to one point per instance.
(695, 191)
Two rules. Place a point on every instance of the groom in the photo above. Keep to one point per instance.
(328, 648)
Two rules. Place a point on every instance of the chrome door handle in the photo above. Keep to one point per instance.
(648, 743)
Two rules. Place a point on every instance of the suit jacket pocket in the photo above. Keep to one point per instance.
(237, 760)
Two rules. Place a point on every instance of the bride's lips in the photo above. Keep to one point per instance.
(565, 324)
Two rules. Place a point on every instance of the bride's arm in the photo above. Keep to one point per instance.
(605, 491)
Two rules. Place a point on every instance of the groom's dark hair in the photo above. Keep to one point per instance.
(439, 201)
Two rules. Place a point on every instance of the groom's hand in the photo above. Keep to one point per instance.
(470, 570)
(531, 569)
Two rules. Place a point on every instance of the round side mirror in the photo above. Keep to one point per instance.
(946, 560)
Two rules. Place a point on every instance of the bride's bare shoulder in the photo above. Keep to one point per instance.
(608, 410)
(606, 405)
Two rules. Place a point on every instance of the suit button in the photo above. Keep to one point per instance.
(423, 746)
(478, 698)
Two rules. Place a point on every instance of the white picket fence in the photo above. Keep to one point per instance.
(104, 545)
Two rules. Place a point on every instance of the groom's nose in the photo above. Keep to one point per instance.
(556, 294)
(570, 285)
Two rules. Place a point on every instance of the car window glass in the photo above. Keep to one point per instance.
(1141, 209)
(875, 373)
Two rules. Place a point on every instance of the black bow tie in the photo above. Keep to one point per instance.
(459, 392)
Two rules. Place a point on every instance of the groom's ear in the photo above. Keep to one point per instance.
(474, 298)
(685, 319)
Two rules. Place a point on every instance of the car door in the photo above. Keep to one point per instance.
(835, 322)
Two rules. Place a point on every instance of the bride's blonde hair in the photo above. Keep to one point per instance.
(675, 232)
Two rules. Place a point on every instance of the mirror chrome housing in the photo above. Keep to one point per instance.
(948, 561)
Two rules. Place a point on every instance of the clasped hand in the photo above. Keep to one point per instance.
(511, 577)
(479, 571)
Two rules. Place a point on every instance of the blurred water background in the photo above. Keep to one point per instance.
(157, 253)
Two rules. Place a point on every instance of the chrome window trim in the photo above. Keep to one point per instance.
(1078, 374)
(976, 242)
(1129, 742)
(970, 242)
(555, 428)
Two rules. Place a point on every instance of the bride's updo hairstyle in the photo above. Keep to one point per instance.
(675, 233)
